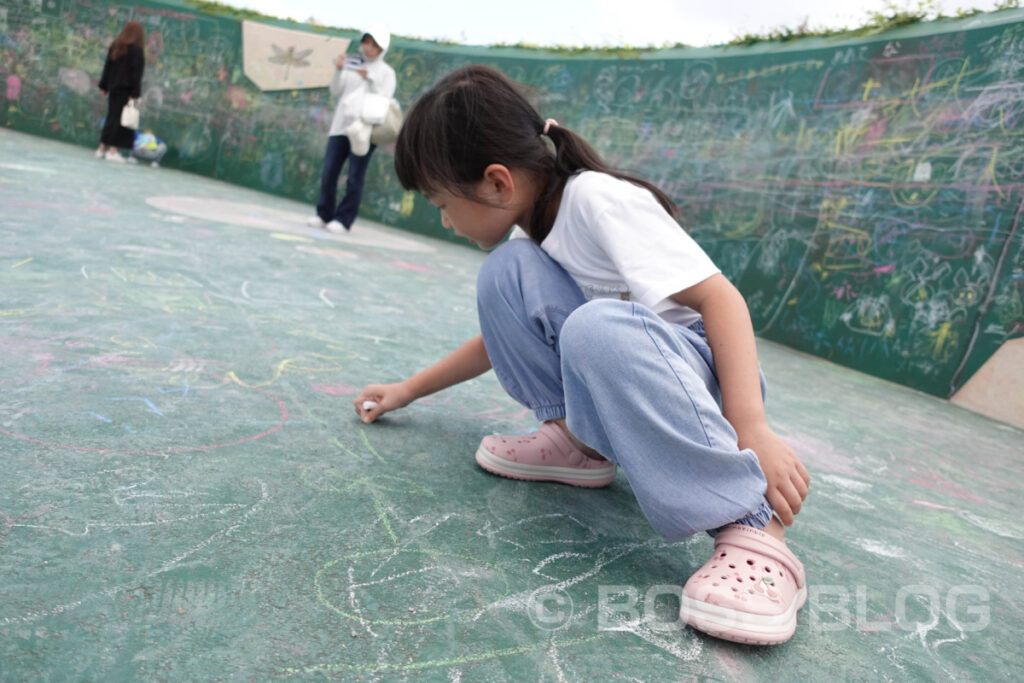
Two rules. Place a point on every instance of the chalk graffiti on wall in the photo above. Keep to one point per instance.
(865, 197)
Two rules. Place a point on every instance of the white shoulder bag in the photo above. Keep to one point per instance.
(130, 115)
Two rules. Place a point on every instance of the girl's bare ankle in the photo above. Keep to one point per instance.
(776, 529)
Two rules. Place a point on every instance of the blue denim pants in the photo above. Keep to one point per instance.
(338, 150)
(641, 391)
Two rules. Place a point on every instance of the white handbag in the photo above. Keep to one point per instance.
(130, 115)
(375, 108)
(386, 132)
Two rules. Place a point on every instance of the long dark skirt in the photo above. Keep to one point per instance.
(114, 134)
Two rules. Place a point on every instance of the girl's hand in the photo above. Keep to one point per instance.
(787, 478)
(388, 397)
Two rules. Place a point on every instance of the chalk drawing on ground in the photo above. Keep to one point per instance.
(140, 409)
(364, 234)
(232, 517)
(412, 583)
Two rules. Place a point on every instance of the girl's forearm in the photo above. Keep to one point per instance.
(466, 362)
(730, 335)
(731, 338)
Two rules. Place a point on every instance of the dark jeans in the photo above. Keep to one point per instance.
(339, 149)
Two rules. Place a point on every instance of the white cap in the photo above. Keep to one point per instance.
(381, 34)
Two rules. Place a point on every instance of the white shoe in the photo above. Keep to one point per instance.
(155, 164)
(335, 226)
(114, 156)
(315, 222)
(99, 153)
(132, 160)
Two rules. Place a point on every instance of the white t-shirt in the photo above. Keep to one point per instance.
(616, 241)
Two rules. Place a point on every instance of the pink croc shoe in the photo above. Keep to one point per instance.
(748, 592)
(545, 455)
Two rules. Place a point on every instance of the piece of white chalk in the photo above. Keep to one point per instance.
(369, 405)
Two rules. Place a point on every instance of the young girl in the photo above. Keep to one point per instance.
(609, 322)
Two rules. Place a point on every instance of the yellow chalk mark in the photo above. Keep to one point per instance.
(990, 170)
(348, 451)
(408, 203)
(288, 364)
(870, 85)
(913, 97)
(382, 513)
(959, 77)
(21, 263)
(131, 344)
(942, 338)
(366, 442)
(287, 237)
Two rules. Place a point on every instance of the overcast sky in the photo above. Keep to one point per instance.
(597, 23)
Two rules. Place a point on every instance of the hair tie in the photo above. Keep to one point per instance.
(547, 126)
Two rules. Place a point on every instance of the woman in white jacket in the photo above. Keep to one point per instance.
(349, 136)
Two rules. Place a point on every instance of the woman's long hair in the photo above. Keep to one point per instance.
(131, 34)
(475, 117)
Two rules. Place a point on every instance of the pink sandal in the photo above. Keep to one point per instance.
(748, 592)
(545, 455)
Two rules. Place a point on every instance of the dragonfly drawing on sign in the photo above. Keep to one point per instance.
(289, 58)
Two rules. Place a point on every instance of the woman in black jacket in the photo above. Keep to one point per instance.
(121, 81)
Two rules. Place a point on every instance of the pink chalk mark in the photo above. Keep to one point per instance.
(13, 87)
(336, 389)
(937, 484)
(932, 506)
(44, 205)
(411, 266)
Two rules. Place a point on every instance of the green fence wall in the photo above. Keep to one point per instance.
(864, 194)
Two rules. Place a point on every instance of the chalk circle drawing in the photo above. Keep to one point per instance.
(284, 59)
(119, 405)
(365, 234)
(440, 585)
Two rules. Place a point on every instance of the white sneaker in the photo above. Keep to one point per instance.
(99, 153)
(114, 156)
(155, 164)
(335, 226)
(315, 222)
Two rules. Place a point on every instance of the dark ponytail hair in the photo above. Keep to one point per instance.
(475, 117)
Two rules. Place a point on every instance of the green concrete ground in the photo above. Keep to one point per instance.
(187, 495)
